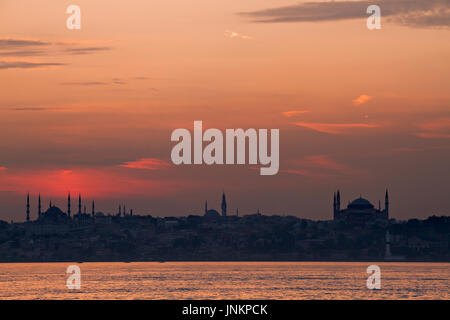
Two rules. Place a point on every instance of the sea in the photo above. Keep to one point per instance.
(223, 280)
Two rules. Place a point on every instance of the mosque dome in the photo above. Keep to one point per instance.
(360, 203)
(211, 213)
(54, 213)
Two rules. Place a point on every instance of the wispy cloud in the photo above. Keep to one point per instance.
(431, 135)
(20, 43)
(292, 113)
(29, 48)
(305, 173)
(93, 83)
(435, 129)
(147, 164)
(118, 81)
(335, 128)
(86, 50)
(27, 65)
(361, 99)
(32, 109)
(22, 53)
(233, 34)
(414, 13)
(320, 166)
(84, 83)
(325, 162)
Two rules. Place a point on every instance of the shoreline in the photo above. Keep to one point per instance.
(228, 261)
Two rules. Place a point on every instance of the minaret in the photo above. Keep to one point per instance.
(93, 208)
(237, 212)
(338, 201)
(68, 204)
(386, 204)
(334, 206)
(79, 203)
(120, 210)
(50, 204)
(224, 205)
(28, 207)
(131, 212)
(39, 206)
(84, 211)
(124, 211)
(206, 206)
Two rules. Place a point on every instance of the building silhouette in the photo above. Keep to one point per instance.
(360, 210)
(224, 205)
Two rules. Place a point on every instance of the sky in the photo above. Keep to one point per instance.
(91, 111)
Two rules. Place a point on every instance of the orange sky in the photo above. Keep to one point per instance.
(92, 110)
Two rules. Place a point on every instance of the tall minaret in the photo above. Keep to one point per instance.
(334, 207)
(224, 205)
(79, 203)
(386, 204)
(206, 206)
(68, 204)
(124, 211)
(93, 208)
(39, 206)
(28, 207)
(120, 210)
(338, 201)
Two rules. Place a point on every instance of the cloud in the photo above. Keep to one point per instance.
(361, 99)
(85, 83)
(335, 128)
(292, 113)
(101, 182)
(93, 83)
(86, 50)
(22, 53)
(320, 166)
(147, 164)
(118, 81)
(325, 162)
(32, 109)
(435, 129)
(20, 43)
(232, 34)
(436, 125)
(2, 168)
(27, 65)
(305, 173)
(428, 135)
(413, 13)
(24, 48)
